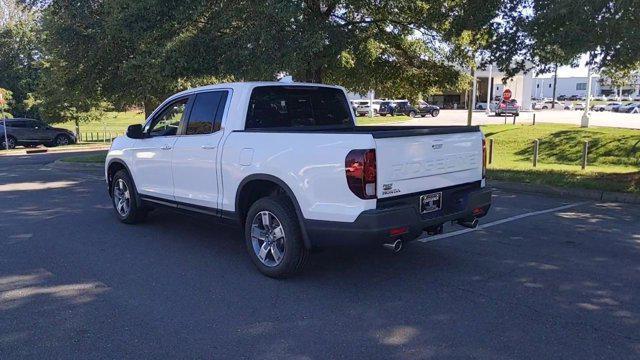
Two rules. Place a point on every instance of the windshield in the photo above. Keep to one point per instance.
(297, 106)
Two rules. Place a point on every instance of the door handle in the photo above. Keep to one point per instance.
(208, 147)
(166, 147)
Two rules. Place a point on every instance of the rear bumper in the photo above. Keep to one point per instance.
(373, 227)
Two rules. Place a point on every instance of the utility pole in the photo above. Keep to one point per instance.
(470, 101)
(489, 88)
(555, 82)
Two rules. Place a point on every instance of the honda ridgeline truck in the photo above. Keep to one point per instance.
(286, 162)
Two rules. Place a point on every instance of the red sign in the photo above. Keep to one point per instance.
(506, 94)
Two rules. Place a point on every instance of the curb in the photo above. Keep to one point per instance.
(54, 151)
(590, 194)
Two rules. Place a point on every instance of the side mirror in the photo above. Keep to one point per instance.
(135, 131)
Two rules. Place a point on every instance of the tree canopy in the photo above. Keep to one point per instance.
(541, 33)
(142, 51)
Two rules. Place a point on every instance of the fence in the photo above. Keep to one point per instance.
(98, 136)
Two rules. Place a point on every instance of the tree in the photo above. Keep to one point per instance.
(6, 97)
(618, 78)
(542, 33)
(20, 60)
(140, 52)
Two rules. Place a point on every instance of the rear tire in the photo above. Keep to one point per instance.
(276, 253)
(10, 140)
(412, 114)
(123, 196)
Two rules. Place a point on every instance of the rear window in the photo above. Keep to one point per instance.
(295, 107)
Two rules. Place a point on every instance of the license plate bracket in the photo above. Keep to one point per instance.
(430, 202)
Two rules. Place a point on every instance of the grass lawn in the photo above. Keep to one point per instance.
(379, 120)
(613, 161)
(113, 123)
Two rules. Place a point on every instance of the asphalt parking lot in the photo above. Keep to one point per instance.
(542, 277)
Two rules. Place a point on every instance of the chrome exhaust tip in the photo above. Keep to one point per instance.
(469, 224)
(395, 246)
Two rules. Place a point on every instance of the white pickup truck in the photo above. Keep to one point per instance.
(287, 163)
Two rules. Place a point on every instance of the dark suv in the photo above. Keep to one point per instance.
(423, 109)
(29, 132)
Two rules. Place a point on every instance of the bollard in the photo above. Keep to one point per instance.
(490, 151)
(585, 152)
(534, 118)
(92, 136)
(514, 119)
(536, 145)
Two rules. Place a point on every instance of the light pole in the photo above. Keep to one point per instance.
(586, 116)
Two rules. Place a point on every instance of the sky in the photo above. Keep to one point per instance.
(568, 71)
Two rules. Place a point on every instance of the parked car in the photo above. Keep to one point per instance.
(481, 106)
(568, 105)
(610, 106)
(637, 97)
(613, 97)
(626, 98)
(579, 106)
(628, 107)
(363, 108)
(422, 109)
(508, 107)
(548, 105)
(603, 107)
(360, 106)
(30, 132)
(634, 109)
(621, 107)
(286, 162)
(574, 98)
(386, 108)
(562, 98)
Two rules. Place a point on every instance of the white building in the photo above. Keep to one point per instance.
(567, 86)
(489, 82)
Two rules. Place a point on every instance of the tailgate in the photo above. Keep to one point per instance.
(414, 164)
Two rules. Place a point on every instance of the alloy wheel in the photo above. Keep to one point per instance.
(268, 239)
(122, 198)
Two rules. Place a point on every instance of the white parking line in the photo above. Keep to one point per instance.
(498, 222)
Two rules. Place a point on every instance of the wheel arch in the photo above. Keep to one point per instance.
(116, 165)
(243, 198)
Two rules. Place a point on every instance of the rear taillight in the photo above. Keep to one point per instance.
(484, 158)
(360, 168)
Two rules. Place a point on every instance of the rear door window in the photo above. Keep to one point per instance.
(297, 107)
(207, 111)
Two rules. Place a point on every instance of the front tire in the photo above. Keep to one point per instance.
(274, 239)
(61, 140)
(124, 199)
(435, 113)
(412, 114)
